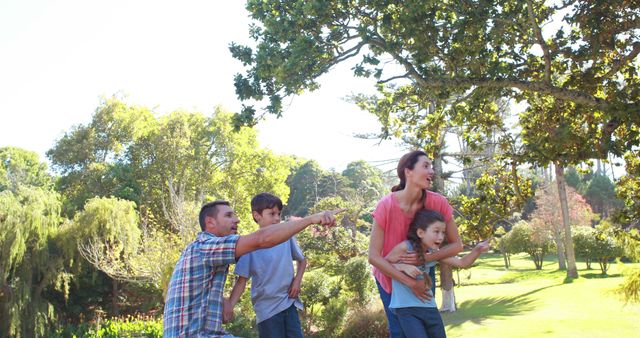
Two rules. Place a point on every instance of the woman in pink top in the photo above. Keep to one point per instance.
(391, 222)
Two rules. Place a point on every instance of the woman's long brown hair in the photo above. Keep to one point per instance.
(408, 161)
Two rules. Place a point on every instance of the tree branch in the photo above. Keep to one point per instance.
(404, 76)
(541, 42)
(617, 64)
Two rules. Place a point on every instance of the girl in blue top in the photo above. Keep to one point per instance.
(426, 233)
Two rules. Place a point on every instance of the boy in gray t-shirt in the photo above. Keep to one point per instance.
(274, 289)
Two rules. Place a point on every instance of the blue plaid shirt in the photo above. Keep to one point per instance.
(193, 307)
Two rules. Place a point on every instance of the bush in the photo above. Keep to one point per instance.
(584, 243)
(366, 322)
(333, 316)
(114, 328)
(525, 238)
(357, 279)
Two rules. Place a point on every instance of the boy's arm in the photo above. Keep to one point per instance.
(236, 293)
(277, 233)
(469, 258)
(294, 289)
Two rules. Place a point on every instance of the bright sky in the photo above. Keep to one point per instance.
(58, 57)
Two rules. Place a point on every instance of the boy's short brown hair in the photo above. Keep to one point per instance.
(265, 200)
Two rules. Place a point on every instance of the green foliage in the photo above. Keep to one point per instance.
(630, 241)
(108, 234)
(534, 241)
(315, 292)
(597, 245)
(608, 247)
(113, 328)
(19, 167)
(357, 280)
(627, 189)
(600, 194)
(31, 260)
(492, 47)
(309, 184)
(333, 316)
(498, 193)
(630, 288)
(585, 242)
(369, 321)
(166, 165)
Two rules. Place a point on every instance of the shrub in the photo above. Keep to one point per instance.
(533, 240)
(366, 322)
(114, 328)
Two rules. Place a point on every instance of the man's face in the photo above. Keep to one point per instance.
(225, 223)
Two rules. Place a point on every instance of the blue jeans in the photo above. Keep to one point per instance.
(283, 324)
(421, 322)
(395, 331)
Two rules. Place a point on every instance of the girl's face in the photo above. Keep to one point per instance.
(421, 174)
(433, 236)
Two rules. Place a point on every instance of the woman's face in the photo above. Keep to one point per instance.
(422, 173)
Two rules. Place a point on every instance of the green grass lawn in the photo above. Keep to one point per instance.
(524, 302)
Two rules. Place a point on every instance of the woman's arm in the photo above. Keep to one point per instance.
(376, 242)
(453, 247)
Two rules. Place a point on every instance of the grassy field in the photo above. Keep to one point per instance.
(524, 302)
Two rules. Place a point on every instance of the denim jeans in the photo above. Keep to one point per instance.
(421, 322)
(395, 331)
(284, 324)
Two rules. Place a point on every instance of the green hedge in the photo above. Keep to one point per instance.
(114, 328)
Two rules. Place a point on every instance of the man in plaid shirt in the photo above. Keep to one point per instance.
(193, 307)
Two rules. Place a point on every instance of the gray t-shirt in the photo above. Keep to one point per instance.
(271, 273)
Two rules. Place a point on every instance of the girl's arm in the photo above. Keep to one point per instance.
(396, 253)
(376, 242)
(469, 258)
(394, 257)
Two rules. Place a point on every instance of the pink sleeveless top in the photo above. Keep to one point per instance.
(395, 224)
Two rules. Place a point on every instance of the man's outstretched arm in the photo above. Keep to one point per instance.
(278, 233)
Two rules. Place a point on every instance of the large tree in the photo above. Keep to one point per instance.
(34, 245)
(548, 216)
(577, 51)
(575, 58)
(168, 165)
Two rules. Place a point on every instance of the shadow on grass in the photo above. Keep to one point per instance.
(593, 275)
(481, 309)
(599, 275)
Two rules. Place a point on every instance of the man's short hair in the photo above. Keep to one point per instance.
(265, 200)
(209, 210)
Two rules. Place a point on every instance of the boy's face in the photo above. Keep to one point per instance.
(267, 217)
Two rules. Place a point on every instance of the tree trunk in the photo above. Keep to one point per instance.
(6, 294)
(572, 271)
(506, 260)
(446, 286)
(557, 235)
(438, 181)
(115, 309)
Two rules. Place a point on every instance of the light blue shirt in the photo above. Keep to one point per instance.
(402, 296)
(271, 273)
